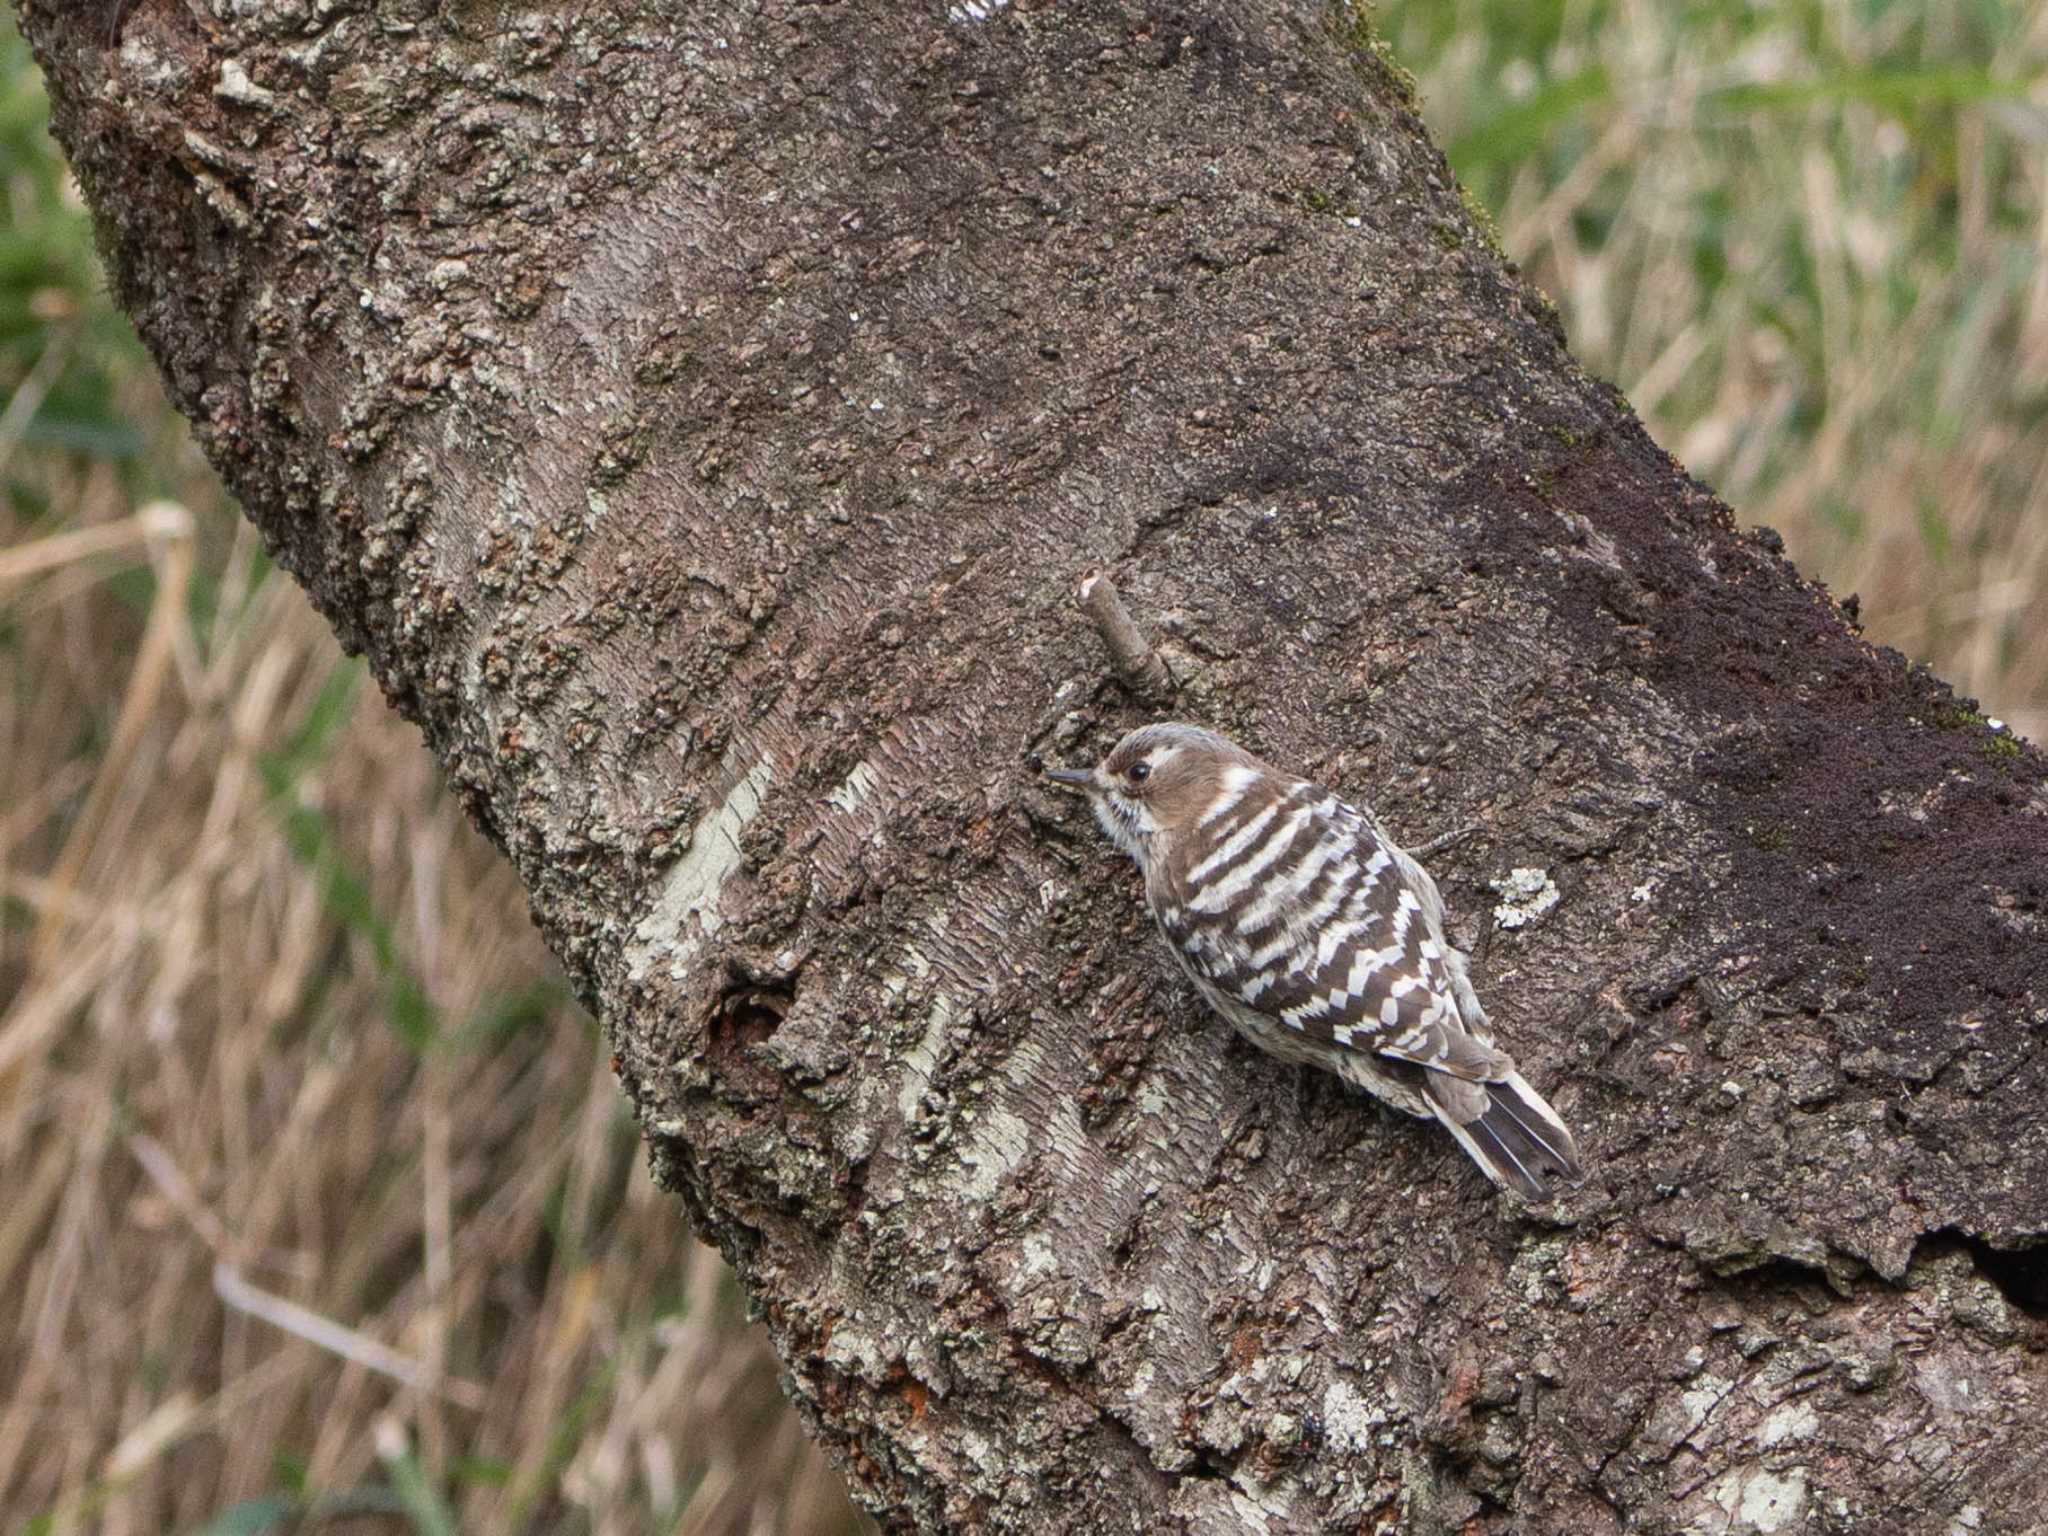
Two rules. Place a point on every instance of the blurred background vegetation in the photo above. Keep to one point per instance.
(323, 1209)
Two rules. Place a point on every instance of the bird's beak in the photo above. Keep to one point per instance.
(1073, 778)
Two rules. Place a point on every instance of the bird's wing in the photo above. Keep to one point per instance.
(1338, 938)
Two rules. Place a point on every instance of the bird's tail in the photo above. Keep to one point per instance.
(1509, 1130)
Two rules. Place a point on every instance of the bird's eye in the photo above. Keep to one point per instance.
(1138, 773)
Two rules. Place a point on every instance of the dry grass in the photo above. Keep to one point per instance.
(321, 1189)
(321, 1200)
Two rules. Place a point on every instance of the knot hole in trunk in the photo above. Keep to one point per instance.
(746, 1013)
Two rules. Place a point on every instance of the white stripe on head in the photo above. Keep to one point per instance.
(1236, 780)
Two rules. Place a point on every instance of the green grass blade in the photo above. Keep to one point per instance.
(408, 1009)
(420, 1499)
(1520, 126)
(252, 1517)
(1897, 90)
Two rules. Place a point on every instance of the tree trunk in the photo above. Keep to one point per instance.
(702, 417)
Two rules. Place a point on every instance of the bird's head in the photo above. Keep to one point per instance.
(1157, 780)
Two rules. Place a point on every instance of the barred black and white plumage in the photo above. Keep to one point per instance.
(1305, 926)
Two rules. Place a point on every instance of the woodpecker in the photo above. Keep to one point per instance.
(1320, 940)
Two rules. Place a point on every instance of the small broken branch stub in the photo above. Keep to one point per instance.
(1137, 664)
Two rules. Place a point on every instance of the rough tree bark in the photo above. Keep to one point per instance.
(701, 416)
